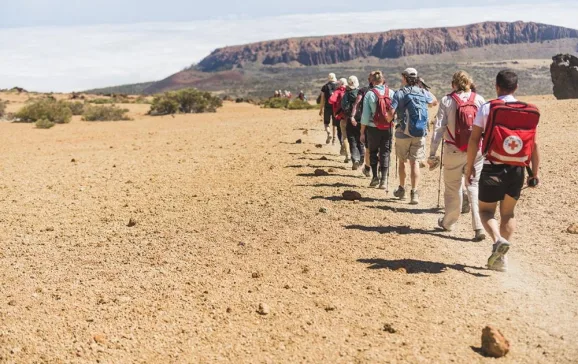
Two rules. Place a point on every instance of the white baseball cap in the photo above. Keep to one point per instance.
(411, 72)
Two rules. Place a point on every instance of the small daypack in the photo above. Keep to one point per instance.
(416, 113)
(335, 101)
(510, 134)
(466, 112)
(382, 106)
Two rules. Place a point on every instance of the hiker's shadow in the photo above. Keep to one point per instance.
(413, 266)
(340, 198)
(405, 230)
(417, 211)
(337, 185)
(329, 175)
(309, 153)
(312, 166)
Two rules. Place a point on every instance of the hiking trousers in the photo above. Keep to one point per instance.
(379, 144)
(354, 138)
(343, 126)
(454, 168)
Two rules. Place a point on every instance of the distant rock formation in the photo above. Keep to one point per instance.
(392, 44)
(564, 72)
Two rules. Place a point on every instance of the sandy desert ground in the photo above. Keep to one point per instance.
(227, 218)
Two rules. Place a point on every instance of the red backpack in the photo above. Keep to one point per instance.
(465, 115)
(510, 133)
(335, 101)
(382, 106)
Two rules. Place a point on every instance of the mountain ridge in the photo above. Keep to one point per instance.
(334, 49)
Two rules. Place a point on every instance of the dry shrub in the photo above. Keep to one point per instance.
(44, 124)
(45, 108)
(104, 113)
(187, 101)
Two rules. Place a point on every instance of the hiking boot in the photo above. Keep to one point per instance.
(466, 206)
(374, 182)
(366, 171)
(441, 224)
(499, 249)
(347, 159)
(500, 265)
(355, 166)
(332, 141)
(399, 193)
(383, 184)
(328, 139)
(479, 235)
(414, 198)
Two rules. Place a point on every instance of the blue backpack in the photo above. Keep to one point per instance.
(416, 112)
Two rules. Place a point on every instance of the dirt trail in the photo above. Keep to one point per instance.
(227, 217)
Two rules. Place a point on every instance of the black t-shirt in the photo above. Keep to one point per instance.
(328, 90)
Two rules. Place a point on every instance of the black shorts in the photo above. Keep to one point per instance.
(499, 180)
(328, 116)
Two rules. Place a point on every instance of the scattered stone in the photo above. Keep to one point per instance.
(263, 309)
(404, 230)
(299, 141)
(324, 158)
(323, 210)
(229, 310)
(494, 344)
(305, 132)
(73, 160)
(389, 328)
(564, 72)
(320, 172)
(573, 229)
(100, 339)
(257, 275)
(12, 303)
(131, 222)
(330, 307)
(401, 270)
(319, 146)
(351, 195)
(331, 170)
(287, 286)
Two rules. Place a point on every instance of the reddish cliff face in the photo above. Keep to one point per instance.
(391, 44)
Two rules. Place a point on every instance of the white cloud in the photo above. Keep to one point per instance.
(77, 58)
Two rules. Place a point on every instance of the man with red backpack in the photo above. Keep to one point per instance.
(335, 101)
(377, 124)
(326, 110)
(508, 130)
(454, 123)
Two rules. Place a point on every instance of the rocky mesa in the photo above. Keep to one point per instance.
(387, 45)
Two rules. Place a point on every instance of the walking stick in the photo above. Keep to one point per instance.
(440, 179)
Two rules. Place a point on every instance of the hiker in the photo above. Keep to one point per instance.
(352, 122)
(454, 124)
(335, 101)
(276, 94)
(302, 96)
(508, 130)
(326, 110)
(358, 109)
(410, 104)
(376, 122)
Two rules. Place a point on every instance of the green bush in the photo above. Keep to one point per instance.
(141, 100)
(100, 101)
(3, 108)
(300, 105)
(188, 101)
(44, 124)
(104, 113)
(76, 107)
(276, 103)
(45, 108)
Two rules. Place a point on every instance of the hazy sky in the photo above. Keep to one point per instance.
(65, 45)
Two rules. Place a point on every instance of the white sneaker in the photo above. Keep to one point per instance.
(500, 265)
(499, 250)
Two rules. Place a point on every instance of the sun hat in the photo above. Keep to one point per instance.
(343, 81)
(332, 77)
(353, 83)
(410, 72)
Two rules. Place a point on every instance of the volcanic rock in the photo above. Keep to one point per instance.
(351, 195)
(494, 344)
(320, 172)
(564, 71)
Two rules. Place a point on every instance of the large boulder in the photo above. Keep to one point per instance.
(564, 72)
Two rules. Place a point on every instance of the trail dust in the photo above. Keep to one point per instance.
(230, 258)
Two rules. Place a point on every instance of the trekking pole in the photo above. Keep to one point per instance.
(440, 179)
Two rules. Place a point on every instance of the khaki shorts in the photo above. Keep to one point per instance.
(412, 149)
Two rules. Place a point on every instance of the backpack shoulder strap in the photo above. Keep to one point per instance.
(472, 98)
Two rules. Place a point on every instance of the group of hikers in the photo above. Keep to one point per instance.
(288, 95)
(486, 147)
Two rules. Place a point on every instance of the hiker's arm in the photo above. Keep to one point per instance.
(473, 149)
(356, 105)
(322, 104)
(437, 135)
(362, 137)
(367, 110)
(433, 101)
(394, 103)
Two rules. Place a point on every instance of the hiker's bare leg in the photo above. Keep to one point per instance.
(415, 174)
(366, 157)
(507, 217)
(488, 216)
(402, 174)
